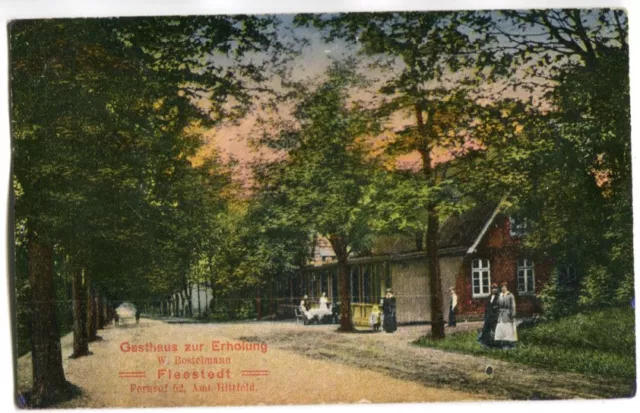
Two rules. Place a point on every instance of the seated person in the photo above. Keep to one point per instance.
(324, 302)
(323, 312)
(305, 304)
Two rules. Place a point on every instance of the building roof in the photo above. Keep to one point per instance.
(459, 234)
(466, 229)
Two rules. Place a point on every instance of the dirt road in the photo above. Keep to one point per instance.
(395, 356)
(113, 377)
(302, 365)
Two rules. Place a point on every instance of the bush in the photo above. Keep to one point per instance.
(220, 313)
(598, 288)
(233, 309)
(624, 293)
(610, 330)
(598, 343)
(246, 310)
(560, 296)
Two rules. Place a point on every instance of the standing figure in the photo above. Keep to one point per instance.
(506, 334)
(116, 318)
(453, 303)
(137, 316)
(389, 309)
(491, 312)
(375, 318)
(324, 313)
(335, 313)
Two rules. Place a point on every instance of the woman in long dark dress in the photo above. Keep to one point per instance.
(389, 310)
(491, 312)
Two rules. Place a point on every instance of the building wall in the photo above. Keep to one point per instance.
(411, 289)
(205, 295)
(503, 252)
(410, 284)
(408, 276)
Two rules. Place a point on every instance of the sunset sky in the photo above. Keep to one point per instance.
(233, 140)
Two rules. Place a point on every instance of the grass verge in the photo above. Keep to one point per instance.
(597, 343)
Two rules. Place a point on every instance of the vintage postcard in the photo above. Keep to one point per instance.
(321, 208)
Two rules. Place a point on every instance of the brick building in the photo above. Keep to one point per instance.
(495, 254)
(475, 249)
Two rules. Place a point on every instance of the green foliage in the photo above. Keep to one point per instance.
(607, 330)
(246, 310)
(601, 289)
(597, 343)
(324, 184)
(103, 120)
(426, 61)
(234, 308)
(107, 115)
(560, 296)
(564, 37)
(574, 155)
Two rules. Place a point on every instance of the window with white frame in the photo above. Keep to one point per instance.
(480, 277)
(526, 277)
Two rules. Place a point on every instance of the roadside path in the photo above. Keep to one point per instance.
(292, 378)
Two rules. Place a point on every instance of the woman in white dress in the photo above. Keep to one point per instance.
(324, 302)
(506, 334)
(323, 313)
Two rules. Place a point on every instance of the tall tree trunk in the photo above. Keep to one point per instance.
(174, 305)
(80, 339)
(346, 323)
(188, 292)
(109, 311)
(198, 288)
(291, 293)
(92, 333)
(270, 304)
(95, 311)
(186, 302)
(435, 285)
(100, 311)
(258, 304)
(49, 383)
(213, 296)
(105, 310)
(206, 299)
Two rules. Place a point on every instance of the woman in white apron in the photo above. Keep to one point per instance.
(506, 334)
